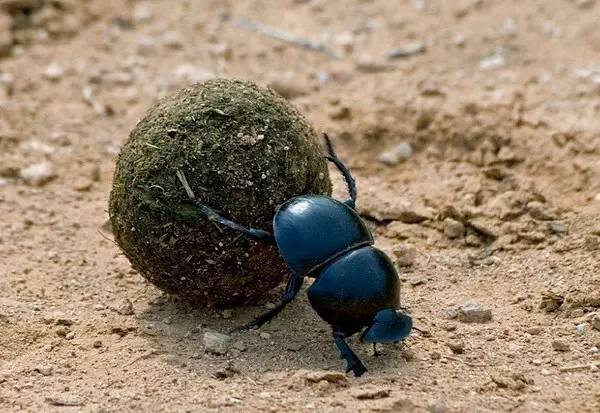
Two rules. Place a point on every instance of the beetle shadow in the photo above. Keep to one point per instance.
(296, 339)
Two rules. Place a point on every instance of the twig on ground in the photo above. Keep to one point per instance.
(285, 37)
(185, 184)
(142, 357)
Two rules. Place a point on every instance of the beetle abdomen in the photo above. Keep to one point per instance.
(352, 289)
(311, 229)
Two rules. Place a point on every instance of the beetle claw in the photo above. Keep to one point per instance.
(353, 363)
(357, 368)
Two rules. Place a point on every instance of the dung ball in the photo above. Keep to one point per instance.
(244, 150)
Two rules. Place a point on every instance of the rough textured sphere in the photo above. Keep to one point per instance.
(244, 150)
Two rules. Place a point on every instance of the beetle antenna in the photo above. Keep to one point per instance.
(332, 156)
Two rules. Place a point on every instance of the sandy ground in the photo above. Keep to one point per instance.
(500, 103)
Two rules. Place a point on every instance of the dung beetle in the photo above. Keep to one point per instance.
(356, 284)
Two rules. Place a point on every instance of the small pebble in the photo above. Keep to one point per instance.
(62, 332)
(265, 335)
(54, 72)
(82, 184)
(493, 260)
(216, 343)
(459, 40)
(423, 120)
(397, 154)
(457, 346)
(437, 406)
(560, 345)
(142, 13)
(474, 312)
(289, 88)
(323, 387)
(408, 50)
(596, 322)
(558, 227)
(493, 61)
(538, 211)
(38, 174)
(580, 329)
(449, 327)
(500, 381)
(97, 344)
(240, 346)
(405, 254)
(509, 27)
(44, 370)
(453, 228)
(70, 335)
(450, 313)
(172, 40)
(125, 308)
(472, 240)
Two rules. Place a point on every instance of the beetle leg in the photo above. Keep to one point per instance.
(376, 352)
(332, 156)
(353, 363)
(252, 233)
(212, 215)
(291, 290)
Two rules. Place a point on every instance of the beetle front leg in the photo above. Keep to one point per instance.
(252, 233)
(353, 363)
(212, 215)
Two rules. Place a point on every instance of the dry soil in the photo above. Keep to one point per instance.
(477, 156)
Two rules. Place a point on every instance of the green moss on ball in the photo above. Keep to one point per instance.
(244, 150)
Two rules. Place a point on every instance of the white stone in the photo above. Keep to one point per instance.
(397, 154)
(493, 61)
(54, 72)
(38, 174)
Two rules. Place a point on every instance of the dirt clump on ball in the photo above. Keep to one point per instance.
(244, 150)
